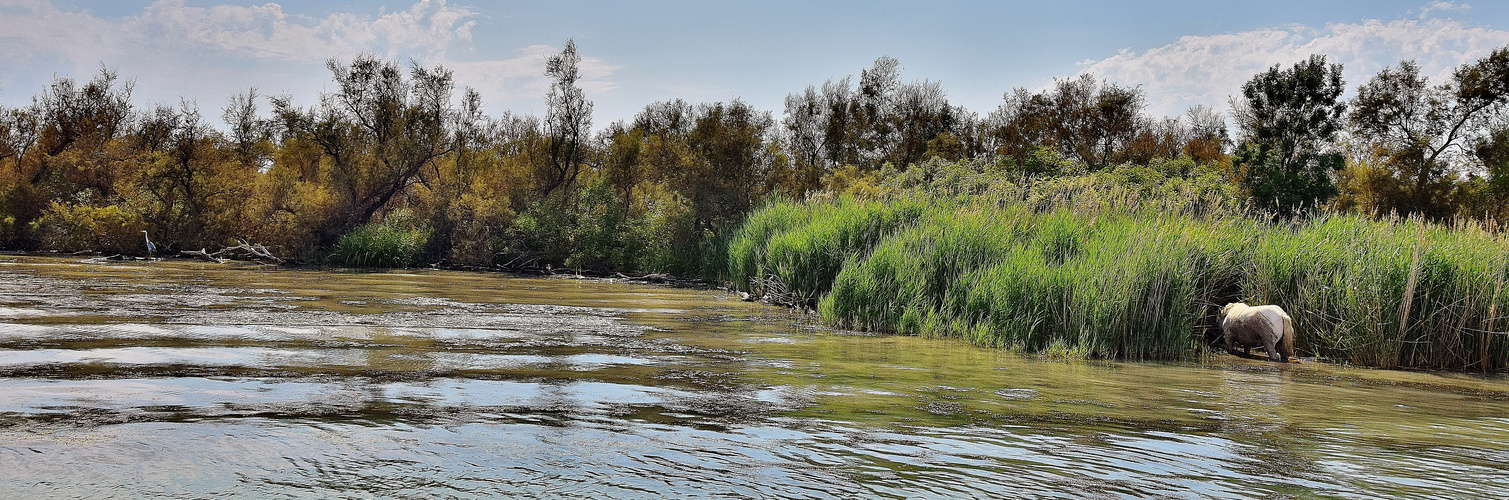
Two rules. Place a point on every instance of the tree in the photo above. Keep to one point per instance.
(920, 113)
(1493, 151)
(568, 120)
(803, 136)
(379, 130)
(718, 156)
(1094, 123)
(880, 121)
(18, 133)
(730, 161)
(1430, 134)
(78, 124)
(248, 133)
(1289, 119)
(194, 188)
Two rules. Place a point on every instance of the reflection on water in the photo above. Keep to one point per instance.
(178, 379)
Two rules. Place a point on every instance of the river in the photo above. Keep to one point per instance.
(182, 379)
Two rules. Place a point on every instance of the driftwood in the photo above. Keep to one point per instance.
(651, 278)
(255, 251)
(200, 253)
(775, 292)
(103, 258)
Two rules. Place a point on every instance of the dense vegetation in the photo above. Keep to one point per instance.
(1066, 220)
(1131, 262)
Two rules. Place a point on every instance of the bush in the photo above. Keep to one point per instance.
(804, 248)
(586, 228)
(391, 243)
(83, 227)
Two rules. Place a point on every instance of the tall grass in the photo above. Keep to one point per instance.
(1117, 273)
(1113, 286)
(1391, 293)
(390, 243)
(806, 261)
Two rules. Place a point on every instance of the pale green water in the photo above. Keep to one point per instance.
(182, 379)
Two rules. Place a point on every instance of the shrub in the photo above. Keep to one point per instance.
(83, 227)
(392, 242)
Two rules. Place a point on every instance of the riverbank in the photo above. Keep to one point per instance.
(1132, 263)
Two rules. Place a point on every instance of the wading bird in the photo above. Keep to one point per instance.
(151, 249)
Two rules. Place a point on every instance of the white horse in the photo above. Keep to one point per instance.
(1248, 326)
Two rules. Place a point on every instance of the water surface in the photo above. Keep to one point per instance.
(192, 380)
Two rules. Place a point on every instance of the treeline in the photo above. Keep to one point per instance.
(396, 167)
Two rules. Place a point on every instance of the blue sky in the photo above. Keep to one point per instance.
(1182, 53)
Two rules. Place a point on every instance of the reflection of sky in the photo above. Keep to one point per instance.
(262, 357)
(34, 395)
(18, 312)
(275, 333)
(29, 395)
(23, 331)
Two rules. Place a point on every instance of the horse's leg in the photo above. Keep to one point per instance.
(1272, 345)
(1230, 349)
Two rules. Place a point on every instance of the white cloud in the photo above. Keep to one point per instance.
(172, 47)
(1209, 69)
(1442, 7)
(37, 27)
(522, 77)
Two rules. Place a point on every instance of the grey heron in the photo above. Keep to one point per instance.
(151, 249)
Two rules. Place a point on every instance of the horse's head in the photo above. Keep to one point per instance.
(1228, 307)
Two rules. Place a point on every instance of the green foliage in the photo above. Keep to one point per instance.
(592, 229)
(1393, 293)
(84, 227)
(1290, 120)
(1094, 123)
(805, 249)
(1302, 184)
(393, 242)
(1111, 285)
(1130, 263)
(1066, 222)
(1419, 132)
(1493, 151)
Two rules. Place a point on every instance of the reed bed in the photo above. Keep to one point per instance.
(380, 245)
(1089, 272)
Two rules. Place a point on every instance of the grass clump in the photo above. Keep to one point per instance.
(804, 246)
(1392, 293)
(386, 244)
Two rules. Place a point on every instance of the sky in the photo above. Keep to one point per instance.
(1180, 53)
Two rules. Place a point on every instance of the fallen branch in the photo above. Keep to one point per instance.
(255, 249)
(205, 255)
(243, 250)
(651, 278)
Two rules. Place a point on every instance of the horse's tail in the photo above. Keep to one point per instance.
(1286, 344)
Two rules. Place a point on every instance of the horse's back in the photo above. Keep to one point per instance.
(1250, 325)
(1270, 310)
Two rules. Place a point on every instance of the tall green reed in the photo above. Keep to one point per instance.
(1118, 270)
